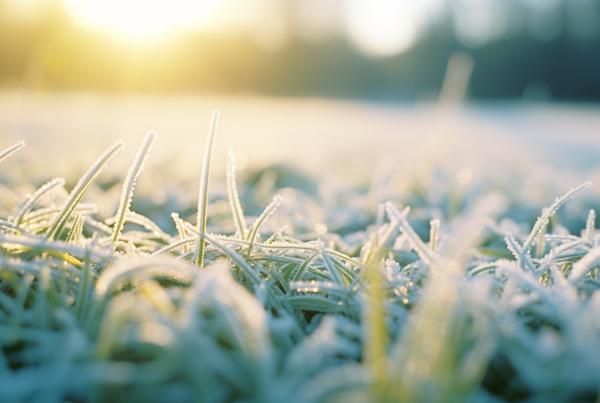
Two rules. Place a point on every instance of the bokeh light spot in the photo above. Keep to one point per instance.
(320, 228)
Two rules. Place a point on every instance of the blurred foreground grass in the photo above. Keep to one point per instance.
(329, 294)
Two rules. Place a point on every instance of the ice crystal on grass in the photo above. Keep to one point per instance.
(92, 311)
(80, 190)
(203, 198)
(128, 186)
(31, 201)
(253, 231)
(10, 150)
(234, 199)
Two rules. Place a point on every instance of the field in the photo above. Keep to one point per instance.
(340, 252)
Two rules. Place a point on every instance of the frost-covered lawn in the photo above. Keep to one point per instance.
(414, 256)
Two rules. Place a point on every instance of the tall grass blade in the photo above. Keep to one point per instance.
(203, 198)
(232, 193)
(129, 185)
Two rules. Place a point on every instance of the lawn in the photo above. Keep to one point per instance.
(435, 256)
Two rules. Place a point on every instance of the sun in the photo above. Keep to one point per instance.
(143, 20)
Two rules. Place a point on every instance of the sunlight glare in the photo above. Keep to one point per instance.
(140, 20)
(387, 27)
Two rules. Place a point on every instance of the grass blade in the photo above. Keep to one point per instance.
(418, 245)
(74, 237)
(203, 199)
(56, 182)
(80, 190)
(13, 226)
(129, 185)
(335, 274)
(277, 200)
(549, 212)
(180, 229)
(376, 333)
(234, 199)
(304, 265)
(84, 285)
(8, 152)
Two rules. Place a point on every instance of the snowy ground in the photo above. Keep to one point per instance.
(530, 152)
(311, 133)
(505, 330)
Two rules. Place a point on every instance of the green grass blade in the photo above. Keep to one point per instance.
(253, 231)
(232, 193)
(417, 243)
(376, 333)
(80, 190)
(248, 270)
(182, 242)
(549, 212)
(180, 230)
(304, 265)
(129, 185)
(74, 237)
(203, 199)
(56, 182)
(84, 285)
(333, 271)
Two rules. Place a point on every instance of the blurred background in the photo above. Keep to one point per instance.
(404, 96)
(383, 50)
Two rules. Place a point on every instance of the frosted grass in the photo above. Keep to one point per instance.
(92, 310)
